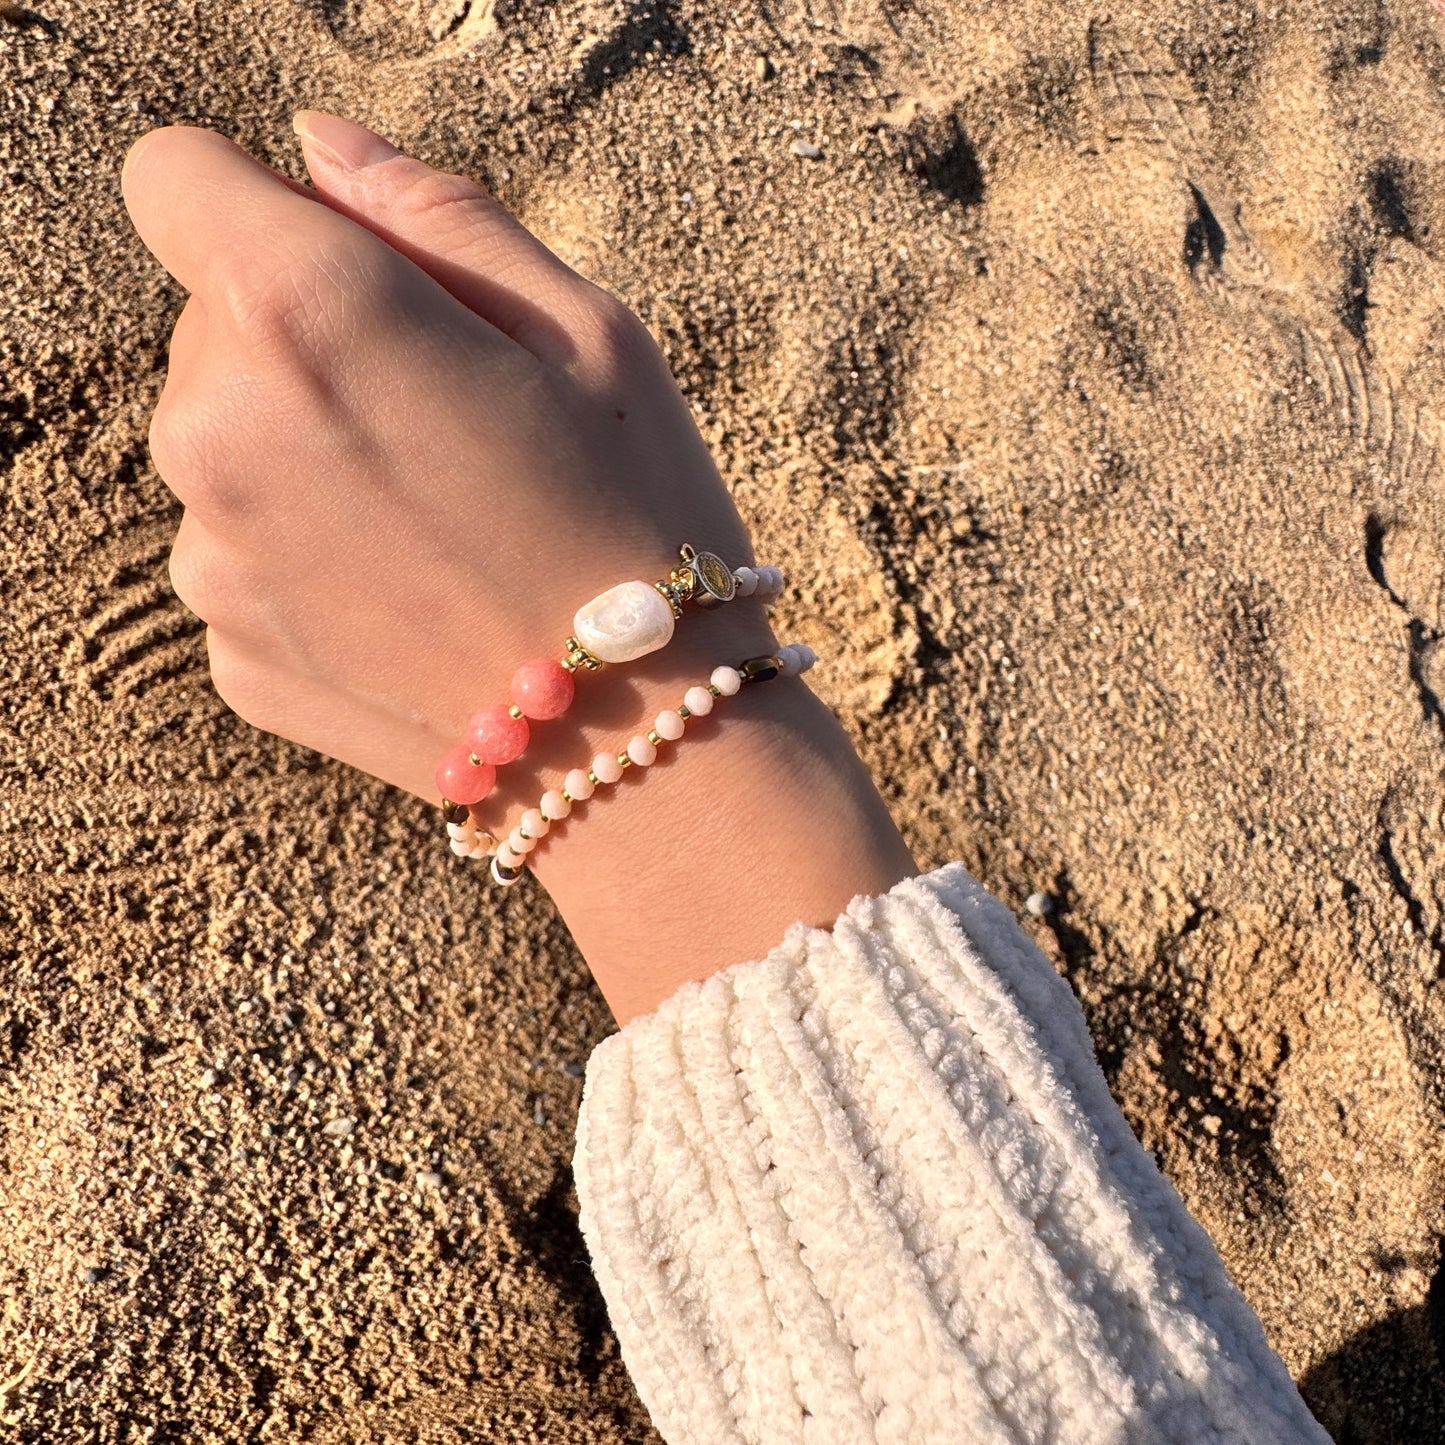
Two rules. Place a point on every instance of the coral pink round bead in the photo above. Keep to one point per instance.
(496, 736)
(543, 688)
(461, 780)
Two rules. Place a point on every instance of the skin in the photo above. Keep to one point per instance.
(410, 442)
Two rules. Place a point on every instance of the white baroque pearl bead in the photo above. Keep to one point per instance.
(579, 785)
(535, 824)
(554, 805)
(792, 661)
(747, 581)
(607, 768)
(669, 726)
(625, 622)
(698, 700)
(727, 680)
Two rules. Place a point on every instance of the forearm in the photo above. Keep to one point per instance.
(761, 815)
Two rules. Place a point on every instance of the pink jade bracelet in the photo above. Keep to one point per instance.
(620, 625)
(509, 857)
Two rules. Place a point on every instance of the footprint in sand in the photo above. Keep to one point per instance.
(429, 30)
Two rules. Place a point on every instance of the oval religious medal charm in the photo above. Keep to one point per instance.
(625, 622)
(715, 580)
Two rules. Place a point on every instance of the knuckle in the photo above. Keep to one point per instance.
(440, 197)
(189, 451)
(614, 340)
(301, 310)
(243, 684)
(206, 585)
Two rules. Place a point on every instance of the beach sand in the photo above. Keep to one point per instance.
(1079, 366)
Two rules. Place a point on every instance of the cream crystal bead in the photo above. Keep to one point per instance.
(554, 805)
(727, 680)
(480, 849)
(461, 847)
(792, 661)
(669, 726)
(498, 865)
(809, 656)
(626, 622)
(508, 857)
(642, 752)
(461, 830)
(607, 768)
(535, 824)
(698, 700)
(518, 844)
(747, 581)
(579, 786)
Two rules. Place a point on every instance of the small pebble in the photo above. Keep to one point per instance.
(429, 1179)
(539, 1115)
(210, 1079)
(1039, 904)
(806, 149)
(573, 1069)
(339, 1128)
(763, 68)
(96, 1273)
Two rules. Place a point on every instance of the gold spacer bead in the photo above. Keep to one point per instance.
(593, 778)
(476, 761)
(569, 664)
(624, 760)
(522, 832)
(684, 712)
(714, 689)
(514, 711)
(567, 797)
(652, 737)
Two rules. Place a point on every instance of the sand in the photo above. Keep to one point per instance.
(1081, 368)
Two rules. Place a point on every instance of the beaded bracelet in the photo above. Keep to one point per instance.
(620, 625)
(508, 858)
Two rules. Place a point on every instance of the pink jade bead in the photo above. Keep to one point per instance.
(698, 700)
(543, 688)
(496, 736)
(461, 780)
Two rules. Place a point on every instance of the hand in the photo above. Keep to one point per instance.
(410, 443)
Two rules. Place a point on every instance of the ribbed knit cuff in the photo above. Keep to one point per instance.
(873, 1188)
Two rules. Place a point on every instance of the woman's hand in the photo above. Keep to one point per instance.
(410, 442)
(409, 446)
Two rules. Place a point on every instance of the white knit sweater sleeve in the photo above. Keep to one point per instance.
(873, 1188)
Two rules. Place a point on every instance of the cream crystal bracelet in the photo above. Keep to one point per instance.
(509, 856)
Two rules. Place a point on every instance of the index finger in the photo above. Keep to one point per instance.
(199, 201)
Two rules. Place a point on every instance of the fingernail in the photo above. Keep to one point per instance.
(342, 142)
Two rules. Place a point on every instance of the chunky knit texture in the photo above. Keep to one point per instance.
(873, 1188)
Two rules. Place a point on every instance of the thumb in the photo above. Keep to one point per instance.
(464, 238)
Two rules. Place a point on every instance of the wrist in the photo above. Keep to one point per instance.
(761, 815)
